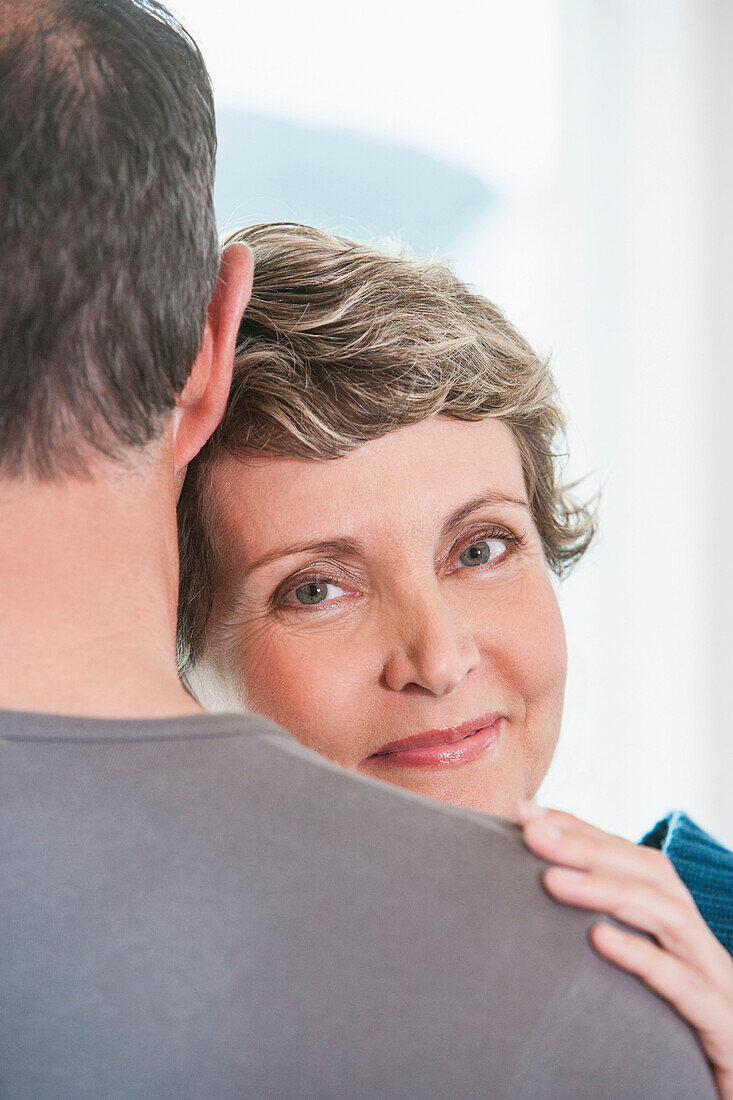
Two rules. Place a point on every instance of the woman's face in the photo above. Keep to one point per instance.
(393, 610)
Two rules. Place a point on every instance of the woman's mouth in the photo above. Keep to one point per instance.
(451, 745)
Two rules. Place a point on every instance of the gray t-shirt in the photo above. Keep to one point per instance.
(200, 907)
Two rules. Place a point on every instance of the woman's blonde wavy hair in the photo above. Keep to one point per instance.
(341, 344)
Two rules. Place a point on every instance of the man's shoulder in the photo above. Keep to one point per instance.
(258, 921)
(236, 798)
(304, 789)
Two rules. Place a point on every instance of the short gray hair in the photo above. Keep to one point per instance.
(342, 344)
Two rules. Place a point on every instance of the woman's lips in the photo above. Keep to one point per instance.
(452, 745)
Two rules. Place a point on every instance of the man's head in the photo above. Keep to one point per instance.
(109, 245)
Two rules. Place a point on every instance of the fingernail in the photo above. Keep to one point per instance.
(609, 932)
(546, 828)
(529, 811)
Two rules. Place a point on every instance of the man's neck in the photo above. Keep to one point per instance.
(88, 595)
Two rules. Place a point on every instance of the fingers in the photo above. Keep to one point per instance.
(638, 886)
(710, 1011)
(675, 922)
(561, 838)
(530, 811)
(684, 962)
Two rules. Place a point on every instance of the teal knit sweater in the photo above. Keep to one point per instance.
(705, 867)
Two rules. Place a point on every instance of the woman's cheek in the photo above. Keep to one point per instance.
(544, 648)
(303, 683)
(542, 667)
(526, 646)
(522, 633)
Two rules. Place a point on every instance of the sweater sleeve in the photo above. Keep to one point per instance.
(704, 865)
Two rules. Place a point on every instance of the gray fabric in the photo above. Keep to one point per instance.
(202, 908)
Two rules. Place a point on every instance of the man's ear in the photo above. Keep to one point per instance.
(203, 399)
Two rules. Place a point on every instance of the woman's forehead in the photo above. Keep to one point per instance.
(412, 479)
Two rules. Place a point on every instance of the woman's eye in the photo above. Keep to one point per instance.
(480, 553)
(314, 592)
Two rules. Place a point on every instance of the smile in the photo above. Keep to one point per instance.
(442, 747)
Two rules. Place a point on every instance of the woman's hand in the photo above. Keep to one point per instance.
(639, 886)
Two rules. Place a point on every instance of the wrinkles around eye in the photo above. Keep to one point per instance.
(353, 584)
(332, 574)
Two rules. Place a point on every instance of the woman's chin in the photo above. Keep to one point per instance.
(471, 786)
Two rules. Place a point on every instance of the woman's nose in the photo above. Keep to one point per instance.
(434, 652)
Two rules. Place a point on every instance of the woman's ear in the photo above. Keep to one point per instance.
(203, 399)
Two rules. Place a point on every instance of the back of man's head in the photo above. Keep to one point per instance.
(109, 245)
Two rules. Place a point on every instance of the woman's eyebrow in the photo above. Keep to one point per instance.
(325, 546)
(465, 510)
(351, 547)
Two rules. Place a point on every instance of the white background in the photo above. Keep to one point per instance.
(603, 130)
